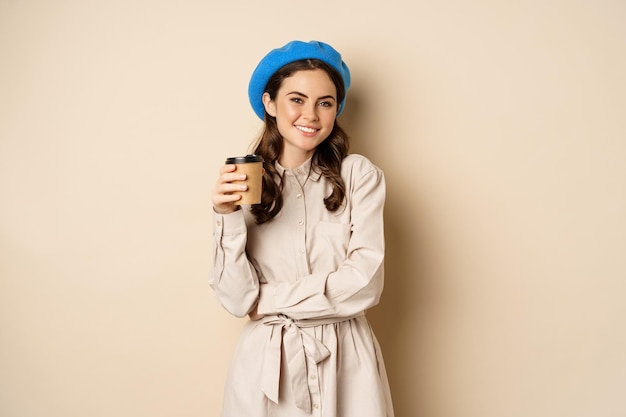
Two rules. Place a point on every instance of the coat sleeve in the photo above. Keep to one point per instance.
(232, 276)
(358, 282)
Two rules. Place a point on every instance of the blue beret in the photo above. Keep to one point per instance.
(293, 51)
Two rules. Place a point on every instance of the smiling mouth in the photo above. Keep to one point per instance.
(306, 129)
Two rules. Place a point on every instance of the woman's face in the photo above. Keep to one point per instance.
(305, 108)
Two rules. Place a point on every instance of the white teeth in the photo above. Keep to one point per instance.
(306, 129)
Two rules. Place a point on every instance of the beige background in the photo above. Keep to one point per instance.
(501, 127)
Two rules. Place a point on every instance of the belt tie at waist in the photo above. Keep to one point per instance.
(298, 345)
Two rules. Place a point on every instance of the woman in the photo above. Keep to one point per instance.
(307, 262)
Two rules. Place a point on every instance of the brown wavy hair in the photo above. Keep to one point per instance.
(326, 159)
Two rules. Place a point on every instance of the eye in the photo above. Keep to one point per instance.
(297, 100)
(326, 103)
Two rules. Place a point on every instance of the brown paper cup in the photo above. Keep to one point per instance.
(252, 166)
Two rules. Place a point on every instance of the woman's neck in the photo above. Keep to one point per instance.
(294, 161)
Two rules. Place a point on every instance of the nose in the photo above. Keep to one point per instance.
(309, 112)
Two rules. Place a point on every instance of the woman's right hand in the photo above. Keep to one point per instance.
(223, 198)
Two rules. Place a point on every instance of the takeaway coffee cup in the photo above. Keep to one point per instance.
(252, 166)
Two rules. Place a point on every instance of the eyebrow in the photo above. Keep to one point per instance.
(319, 98)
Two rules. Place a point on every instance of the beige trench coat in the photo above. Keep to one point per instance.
(312, 274)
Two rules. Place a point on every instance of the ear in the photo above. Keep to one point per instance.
(270, 106)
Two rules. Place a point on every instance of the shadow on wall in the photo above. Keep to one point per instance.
(399, 319)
